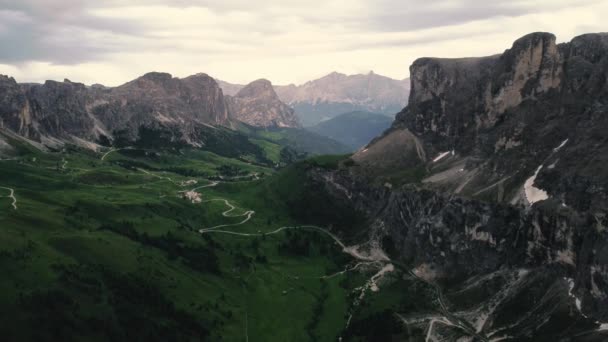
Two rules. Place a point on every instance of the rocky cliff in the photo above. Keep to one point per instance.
(498, 166)
(162, 100)
(57, 112)
(258, 105)
(484, 126)
(48, 112)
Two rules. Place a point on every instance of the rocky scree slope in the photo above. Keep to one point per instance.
(512, 152)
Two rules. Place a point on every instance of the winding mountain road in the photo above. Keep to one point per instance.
(373, 257)
(11, 196)
(248, 215)
(447, 317)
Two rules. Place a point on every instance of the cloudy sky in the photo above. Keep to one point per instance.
(286, 41)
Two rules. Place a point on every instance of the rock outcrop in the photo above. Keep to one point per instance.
(258, 105)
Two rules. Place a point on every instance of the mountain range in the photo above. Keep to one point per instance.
(337, 93)
(57, 112)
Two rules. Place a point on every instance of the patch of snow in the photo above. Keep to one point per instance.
(532, 193)
(577, 301)
(522, 272)
(365, 150)
(440, 156)
(552, 166)
(603, 327)
(560, 146)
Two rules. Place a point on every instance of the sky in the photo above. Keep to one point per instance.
(286, 41)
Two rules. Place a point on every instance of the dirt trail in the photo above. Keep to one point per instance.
(374, 256)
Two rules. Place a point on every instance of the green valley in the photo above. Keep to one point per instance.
(171, 245)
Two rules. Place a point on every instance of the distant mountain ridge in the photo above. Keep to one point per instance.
(337, 93)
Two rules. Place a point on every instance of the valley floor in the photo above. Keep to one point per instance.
(163, 246)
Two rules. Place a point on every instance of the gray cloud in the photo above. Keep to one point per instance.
(72, 32)
(56, 31)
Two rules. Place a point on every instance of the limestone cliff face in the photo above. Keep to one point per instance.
(14, 111)
(498, 163)
(488, 124)
(257, 104)
(162, 99)
(56, 112)
(49, 112)
(455, 98)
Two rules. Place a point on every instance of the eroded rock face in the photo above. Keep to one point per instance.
(258, 105)
(160, 98)
(62, 111)
(14, 111)
(504, 116)
(489, 132)
(454, 98)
